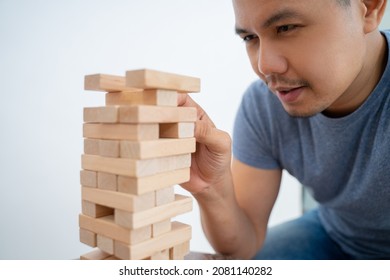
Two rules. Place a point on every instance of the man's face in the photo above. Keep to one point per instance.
(309, 52)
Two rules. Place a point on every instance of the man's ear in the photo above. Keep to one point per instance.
(374, 10)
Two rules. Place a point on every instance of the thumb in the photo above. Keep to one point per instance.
(216, 140)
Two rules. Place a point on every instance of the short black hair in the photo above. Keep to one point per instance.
(344, 3)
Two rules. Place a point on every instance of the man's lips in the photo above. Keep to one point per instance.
(285, 90)
(289, 94)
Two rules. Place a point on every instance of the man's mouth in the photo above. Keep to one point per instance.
(289, 94)
(284, 90)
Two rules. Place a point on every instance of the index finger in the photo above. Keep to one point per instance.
(185, 100)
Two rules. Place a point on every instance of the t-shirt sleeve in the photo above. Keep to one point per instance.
(252, 139)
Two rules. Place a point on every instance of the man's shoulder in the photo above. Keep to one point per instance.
(386, 32)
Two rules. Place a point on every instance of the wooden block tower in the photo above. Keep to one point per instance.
(136, 148)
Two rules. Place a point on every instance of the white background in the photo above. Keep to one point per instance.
(46, 48)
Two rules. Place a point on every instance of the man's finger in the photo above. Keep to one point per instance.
(185, 100)
(215, 139)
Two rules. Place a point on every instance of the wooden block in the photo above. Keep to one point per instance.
(156, 114)
(111, 258)
(117, 200)
(96, 254)
(124, 98)
(94, 210)
(139, 114)
(107, 227)
(160, 97)
(103, 82)
(91, 146)
(107, 114)
(105, 244)
(148, 97)
(88, 178)
(121, 131)
(164, 196)
(177, 130)
(152, 79)
(107, 181)
(88, 237)
(141, 185)
(182, 204)
(135, 168)
(161, 227)
(156, 148)
(109, 148)
(179, 234)
(118, 166)
(179, 251)
(162, 255)
(105, 148)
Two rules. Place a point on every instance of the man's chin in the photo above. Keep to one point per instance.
(296, 113)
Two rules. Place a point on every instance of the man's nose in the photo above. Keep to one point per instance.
(270, 60)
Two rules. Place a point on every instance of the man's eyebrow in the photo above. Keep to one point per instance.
(280, 15)
(240, 30)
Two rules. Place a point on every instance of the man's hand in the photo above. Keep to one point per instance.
(212, 158)
(228, 194)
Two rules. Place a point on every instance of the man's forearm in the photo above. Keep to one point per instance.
(225, 224)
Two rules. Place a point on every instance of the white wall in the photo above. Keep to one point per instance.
(46, 48)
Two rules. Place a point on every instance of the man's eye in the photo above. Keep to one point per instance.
(285, 28)
(248, 38)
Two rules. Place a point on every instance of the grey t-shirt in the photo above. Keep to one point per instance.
(344, 161)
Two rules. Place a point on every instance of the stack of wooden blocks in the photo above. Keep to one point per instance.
(136, 149)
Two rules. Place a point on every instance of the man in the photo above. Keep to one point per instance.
(321, 111)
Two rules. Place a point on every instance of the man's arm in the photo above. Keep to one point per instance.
(256, 191)
(235, 221)
(235, 199)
